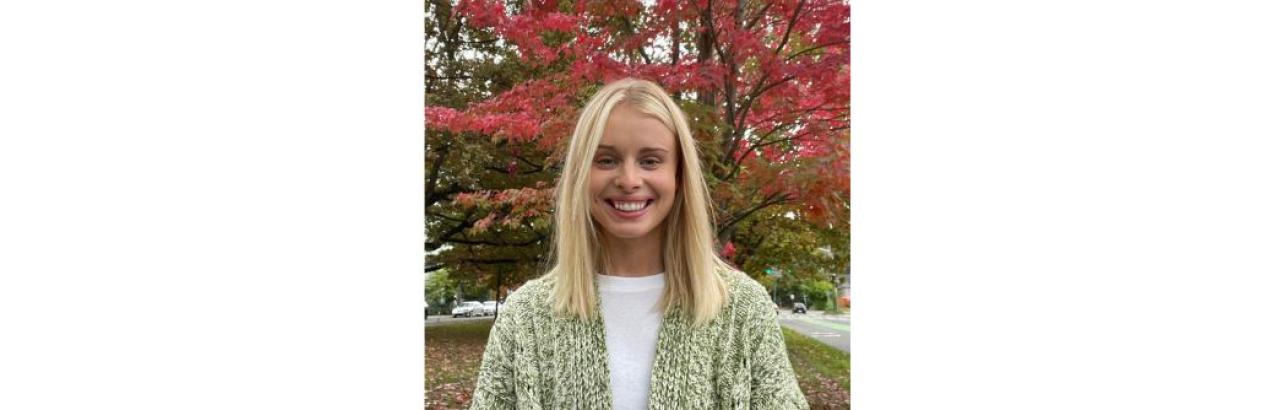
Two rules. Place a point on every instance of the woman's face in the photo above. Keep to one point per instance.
(633, 175)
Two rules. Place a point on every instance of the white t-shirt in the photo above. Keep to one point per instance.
(632, 318)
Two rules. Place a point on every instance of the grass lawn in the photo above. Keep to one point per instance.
(454, 352)
(823, 371)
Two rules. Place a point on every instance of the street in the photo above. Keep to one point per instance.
(436, 320)
(830, 330)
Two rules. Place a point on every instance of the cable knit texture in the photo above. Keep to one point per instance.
(535, 359)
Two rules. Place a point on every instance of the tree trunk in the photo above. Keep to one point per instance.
(497, 292)
(705, 47)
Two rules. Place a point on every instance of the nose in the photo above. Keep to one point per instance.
(629, 179)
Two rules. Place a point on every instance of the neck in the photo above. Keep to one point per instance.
(635, 256)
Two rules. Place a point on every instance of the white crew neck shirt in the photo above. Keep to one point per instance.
(629, 306)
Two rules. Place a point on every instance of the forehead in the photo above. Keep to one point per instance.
(629, 129)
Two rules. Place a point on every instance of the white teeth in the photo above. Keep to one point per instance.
(628, 206)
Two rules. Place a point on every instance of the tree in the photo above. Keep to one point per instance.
(439, 289)
(444, 285)
(780, 239)
(765, 84)
(819, 293)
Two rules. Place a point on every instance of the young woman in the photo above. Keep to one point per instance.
(637, 311)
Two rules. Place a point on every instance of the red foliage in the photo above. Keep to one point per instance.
(784, 63)
(729, 251)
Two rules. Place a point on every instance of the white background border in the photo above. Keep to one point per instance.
(1066, 205)
(211, 205)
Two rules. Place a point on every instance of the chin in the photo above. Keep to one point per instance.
(627, 233)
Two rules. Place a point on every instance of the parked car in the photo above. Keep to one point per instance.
(468, 309)
(490, 308)
(799, 308)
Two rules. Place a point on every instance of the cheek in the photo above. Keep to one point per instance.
(670, 183)
(595, 184)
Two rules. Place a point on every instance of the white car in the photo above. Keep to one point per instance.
(490, 308)
(468, 309)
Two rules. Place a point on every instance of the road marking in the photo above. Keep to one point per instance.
(825, 334)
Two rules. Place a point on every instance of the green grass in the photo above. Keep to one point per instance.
(821, 370)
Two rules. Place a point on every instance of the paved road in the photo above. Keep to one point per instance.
(442, 319)
(831, 330)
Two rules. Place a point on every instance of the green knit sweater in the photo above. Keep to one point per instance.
(538, 360)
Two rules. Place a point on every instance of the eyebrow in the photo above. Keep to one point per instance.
(642, 150)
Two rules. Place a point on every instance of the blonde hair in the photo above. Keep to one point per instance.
(688, 251)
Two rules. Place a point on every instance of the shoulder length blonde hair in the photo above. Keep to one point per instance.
(688, 251)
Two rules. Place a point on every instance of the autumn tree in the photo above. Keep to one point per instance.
(765, 85)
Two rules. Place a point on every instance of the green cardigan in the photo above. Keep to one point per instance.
(537, 360)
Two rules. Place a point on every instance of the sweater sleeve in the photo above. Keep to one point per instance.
(773, 382)
(495, 384)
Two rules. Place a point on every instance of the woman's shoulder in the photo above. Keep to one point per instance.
(532, 296)
(745, 293)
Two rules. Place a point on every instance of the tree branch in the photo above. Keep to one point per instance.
(755, 93)
(756, 19)
(801, 52)
(527, 161)
(499, 261)
(459, 77)
(764, 143)
(435, 195)
(492, 243)
(772, 199)
(762, 140)
(436, 244)
(504, 170)
(729, 160)
(786, 36)
(434, 173)
(631, 29)
(446, 217)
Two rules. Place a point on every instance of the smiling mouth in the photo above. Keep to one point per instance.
(629, 206)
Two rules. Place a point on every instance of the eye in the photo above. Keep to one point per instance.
(650, 162)
(606, 162)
